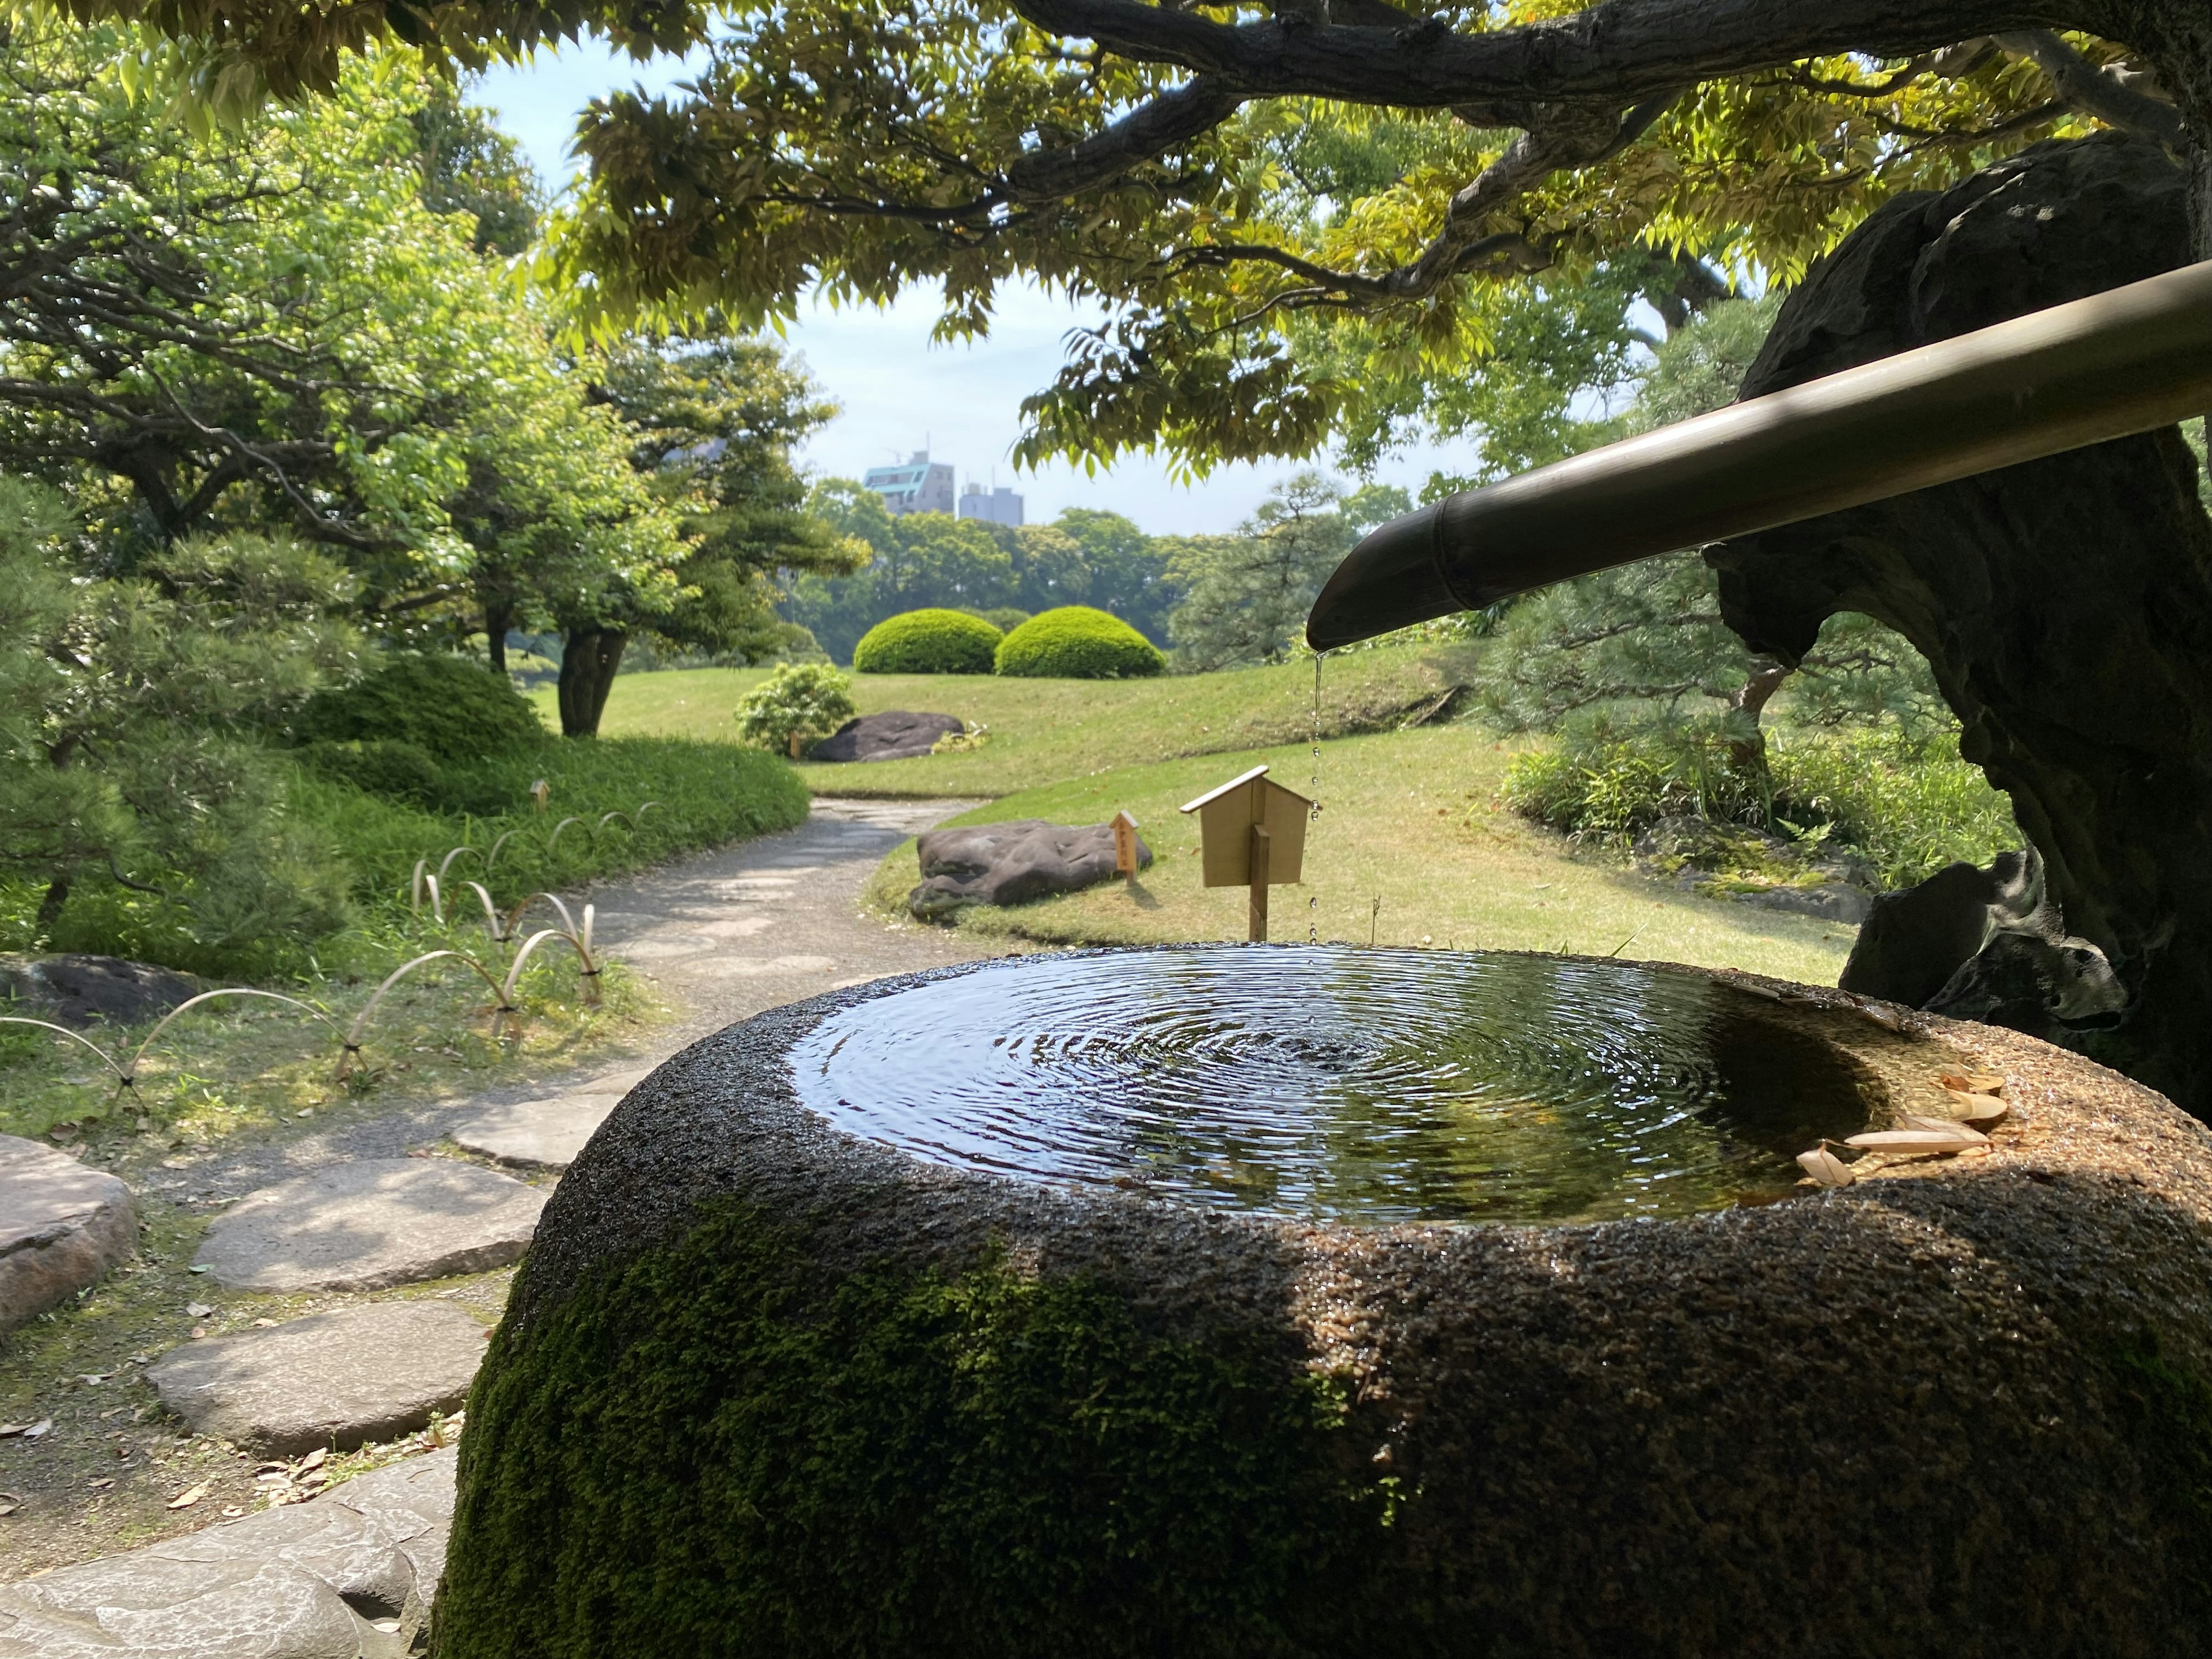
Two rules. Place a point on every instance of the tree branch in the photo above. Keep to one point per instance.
(1621, 52)
(2082, 86)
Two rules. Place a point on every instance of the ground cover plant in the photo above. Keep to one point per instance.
(1078, 642)
(1043, 729)
(929, 641)
(1410, 819)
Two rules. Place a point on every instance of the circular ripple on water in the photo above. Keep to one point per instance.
(1374, 1086)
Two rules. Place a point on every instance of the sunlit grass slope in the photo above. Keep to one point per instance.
(1043, 730)
(1410, 819)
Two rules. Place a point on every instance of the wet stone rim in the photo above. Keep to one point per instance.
(1972, 1391)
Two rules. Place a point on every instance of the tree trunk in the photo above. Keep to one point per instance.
(1750, 699)
(589, 660)
(50, 908)
(499, 616)
(2064, 605)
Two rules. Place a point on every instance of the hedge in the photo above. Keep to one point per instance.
(1076, 642)
(927, 642)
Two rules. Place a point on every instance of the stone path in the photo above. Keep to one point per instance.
(346, 1576)
(356, 1206)
(371, 1224)
(339, 1380)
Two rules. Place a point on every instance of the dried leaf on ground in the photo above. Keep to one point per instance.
(1978, 1108)
(1955, 1138)
(1825, 1167)
(1973, 1083)
(10, 1502)
(190, 1496)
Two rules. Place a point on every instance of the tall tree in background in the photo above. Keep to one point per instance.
(712, 426)
(1246, 596)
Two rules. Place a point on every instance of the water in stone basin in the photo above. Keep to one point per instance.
(1351, 1085)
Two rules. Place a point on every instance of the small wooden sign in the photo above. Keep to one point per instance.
(1125, 845)
(1252, 833)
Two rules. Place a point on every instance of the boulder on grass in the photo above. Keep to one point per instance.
(1011, 863)
(75, 990)
(896, 735)
(63, 1227)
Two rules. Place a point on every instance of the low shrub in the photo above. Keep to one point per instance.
(404, 771)
(1910, 804)
(708, 794)
(928, 642)
(1076, 642)
(450, 707)
(799, 701)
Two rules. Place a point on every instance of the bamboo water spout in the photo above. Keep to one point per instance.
(2123, 362)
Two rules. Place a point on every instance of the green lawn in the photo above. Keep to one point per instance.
(1041, 730)
(1410, 818)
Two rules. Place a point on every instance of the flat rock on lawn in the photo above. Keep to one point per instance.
(349, 1574)
(376, 1223)
(334, 1379)
(896, 735)
(74, 989)
(1011, 863)
(62, 1226)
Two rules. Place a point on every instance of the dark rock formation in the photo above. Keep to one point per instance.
(1012, 863)
(1984, 944)
(2064, 605)
(896, 735)
(76, 990)
(767, 1388)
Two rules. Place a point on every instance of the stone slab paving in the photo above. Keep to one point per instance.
(335, 1379)
(540, 1134)
(349, 1575)
(371, 1224)
(62, 1226)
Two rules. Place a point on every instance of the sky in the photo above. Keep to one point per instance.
(899, 392)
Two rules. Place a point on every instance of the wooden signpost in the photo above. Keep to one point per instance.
(1252, 833)
(1124, 845)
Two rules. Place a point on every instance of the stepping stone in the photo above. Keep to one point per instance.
(62, 1226)
(548, 1133)
(349, 1575)
(334, 1379)
(367, 1225)
(544, 1135)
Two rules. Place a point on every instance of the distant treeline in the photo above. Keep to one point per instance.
(917, 559)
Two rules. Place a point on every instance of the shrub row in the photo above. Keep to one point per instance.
(1073, 642)
(1912, 806)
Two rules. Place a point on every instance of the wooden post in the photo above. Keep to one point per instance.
(794, 746)
(1125, 845)
(1257, 931)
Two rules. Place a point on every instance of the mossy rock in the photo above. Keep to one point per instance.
(1076, 642)
(766, 1388)
(449, 707)
(927, 642)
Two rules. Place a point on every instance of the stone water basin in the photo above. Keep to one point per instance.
(1278, 1300)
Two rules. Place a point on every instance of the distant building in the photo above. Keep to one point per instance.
(998, 506)
(921, 485)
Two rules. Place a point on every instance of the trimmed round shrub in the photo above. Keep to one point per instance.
(927, 642)
(1076, 642)
(451, 708)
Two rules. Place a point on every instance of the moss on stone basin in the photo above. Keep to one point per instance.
(767, 1388)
